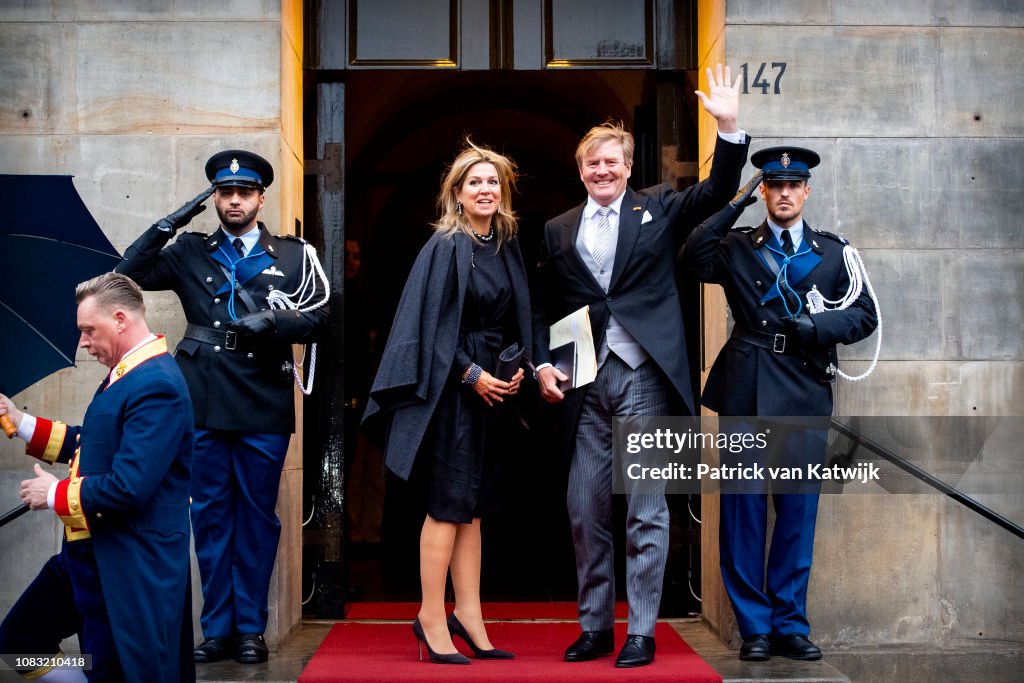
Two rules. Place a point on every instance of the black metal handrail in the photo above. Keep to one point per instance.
(932, 481)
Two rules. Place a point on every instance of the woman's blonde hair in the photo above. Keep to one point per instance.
(451, 219)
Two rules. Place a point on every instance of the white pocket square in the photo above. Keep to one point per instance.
(647, 218)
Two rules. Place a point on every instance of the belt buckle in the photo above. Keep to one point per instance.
(230, 340)
(779, 345)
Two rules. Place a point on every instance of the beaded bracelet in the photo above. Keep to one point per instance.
(473, 376)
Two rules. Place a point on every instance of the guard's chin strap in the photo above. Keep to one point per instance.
(302, 300)
(816, 303)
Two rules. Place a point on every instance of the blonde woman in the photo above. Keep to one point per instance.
(465, 301)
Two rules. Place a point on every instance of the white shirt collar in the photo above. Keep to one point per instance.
(592, 206)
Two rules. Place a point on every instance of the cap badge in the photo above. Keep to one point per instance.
(785, 160)
(234, 166)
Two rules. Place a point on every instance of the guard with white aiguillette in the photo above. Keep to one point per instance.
(779, 361)
(248, 296)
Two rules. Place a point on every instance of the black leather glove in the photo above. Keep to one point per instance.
(745, 196)
(255, 324)
(184, 215)
(803, 327)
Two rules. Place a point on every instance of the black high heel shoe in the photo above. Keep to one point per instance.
(456, 628)
(454, 658)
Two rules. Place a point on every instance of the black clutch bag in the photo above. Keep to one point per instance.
(508, 362)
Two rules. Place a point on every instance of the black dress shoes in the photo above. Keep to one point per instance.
(638, 651)
(214, 650)
(755, 648)
(795, 646)
(591, 645)
(251, 649)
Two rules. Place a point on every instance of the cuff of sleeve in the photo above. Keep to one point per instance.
(47, 439)
(51, 495)
(27, 427)
(738, 137)
(67, 503)
(542, 366)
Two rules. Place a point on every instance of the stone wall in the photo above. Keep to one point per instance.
(915, 110)
(131, 98)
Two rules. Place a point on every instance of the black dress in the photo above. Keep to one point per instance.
(458, 461)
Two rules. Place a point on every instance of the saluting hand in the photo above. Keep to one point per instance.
(723, 100)
(184, 215)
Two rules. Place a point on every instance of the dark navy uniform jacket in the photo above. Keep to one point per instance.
(131, 487)
(642, 293)
(751, 380)
(249, 389)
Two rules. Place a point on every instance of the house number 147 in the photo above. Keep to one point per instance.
(760, 81)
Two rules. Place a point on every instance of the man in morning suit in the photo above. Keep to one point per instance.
(121, 579)
(779, 361)
(615, 253)
(236, 356)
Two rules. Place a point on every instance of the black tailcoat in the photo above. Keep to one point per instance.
(642, 293)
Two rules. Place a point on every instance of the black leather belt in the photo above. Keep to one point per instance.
(225, 339)
(775, 342)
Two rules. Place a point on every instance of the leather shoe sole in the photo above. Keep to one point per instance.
(755, 648)
(214, 650)
(637, 651)
(591, 645)
(251, 649)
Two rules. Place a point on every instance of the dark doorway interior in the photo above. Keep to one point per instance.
(401, 129)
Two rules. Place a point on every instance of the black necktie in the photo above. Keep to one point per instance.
(787, 243)
(237, 243)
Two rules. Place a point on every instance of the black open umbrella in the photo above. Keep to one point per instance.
(49, 242)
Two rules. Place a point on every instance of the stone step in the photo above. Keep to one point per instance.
(777, 670)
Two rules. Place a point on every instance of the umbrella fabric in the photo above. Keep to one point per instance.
(49, 242)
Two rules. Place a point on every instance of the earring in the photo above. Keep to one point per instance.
(458, 208)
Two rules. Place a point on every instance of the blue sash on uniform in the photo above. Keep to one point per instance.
(794, 268)
(240, 269)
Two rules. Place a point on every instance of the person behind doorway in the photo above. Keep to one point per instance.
(615, 254)
(465, 300)
(121, 579)
(236, 356)
(779, 361)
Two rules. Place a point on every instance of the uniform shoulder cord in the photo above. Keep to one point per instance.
(300, 300)
(816, 302)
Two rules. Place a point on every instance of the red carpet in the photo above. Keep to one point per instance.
(407, 611)
(387, 652)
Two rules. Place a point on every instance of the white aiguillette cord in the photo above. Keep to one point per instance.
(817, 303)
(299, 300)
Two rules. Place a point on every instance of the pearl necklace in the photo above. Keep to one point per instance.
(484, 238)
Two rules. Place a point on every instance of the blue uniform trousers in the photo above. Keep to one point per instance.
(771, 600)
(235, 477)
(65, 598)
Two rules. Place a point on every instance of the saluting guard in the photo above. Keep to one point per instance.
(794, 292)
(248, 296)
